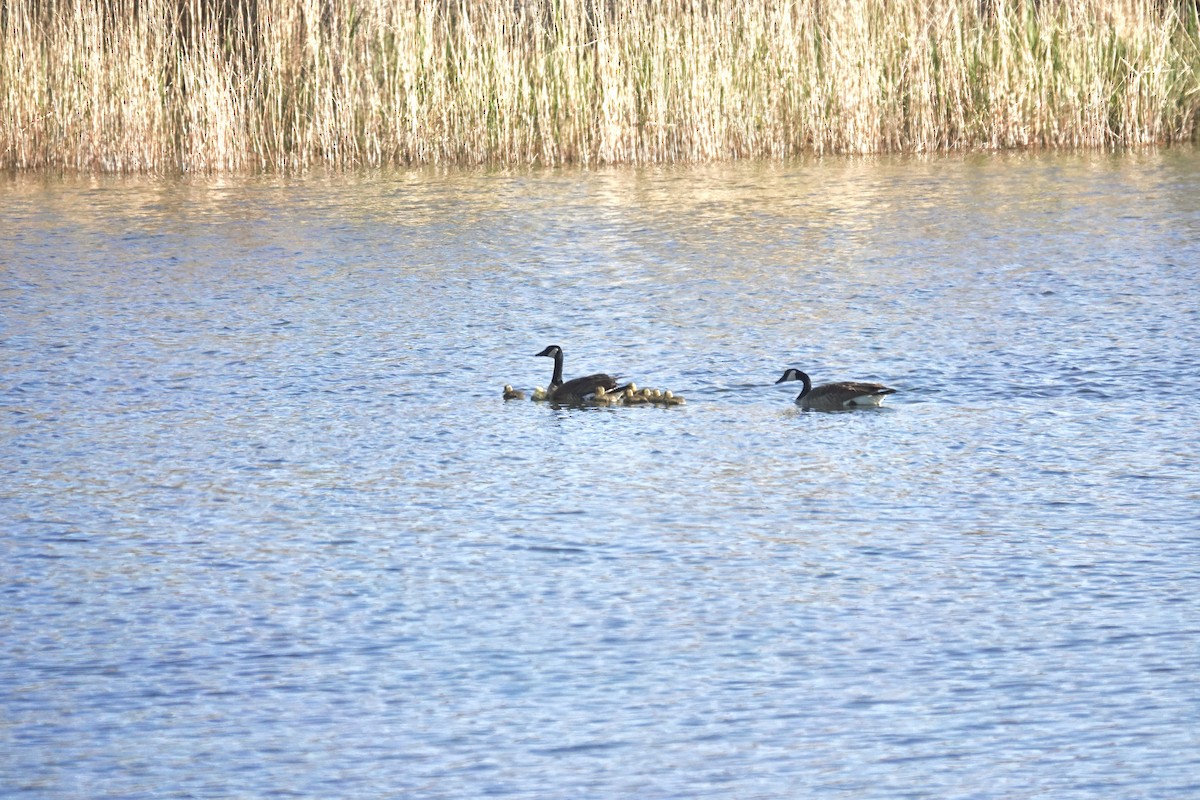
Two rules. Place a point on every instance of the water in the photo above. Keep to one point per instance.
(270, 530)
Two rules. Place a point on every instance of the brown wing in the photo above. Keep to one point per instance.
(578, 388)
(833, 396)
(857, 388)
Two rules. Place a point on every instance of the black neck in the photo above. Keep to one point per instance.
(557, 379)
(807, 385)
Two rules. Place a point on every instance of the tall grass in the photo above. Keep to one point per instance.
(216, 85)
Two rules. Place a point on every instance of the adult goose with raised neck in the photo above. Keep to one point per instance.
(836, 396)
(576, 390)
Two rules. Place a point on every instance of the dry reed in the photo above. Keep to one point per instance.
(169, 85)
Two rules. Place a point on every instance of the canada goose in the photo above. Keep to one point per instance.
(835, 396)
(576, 390)
(512, 394)
(540, 394)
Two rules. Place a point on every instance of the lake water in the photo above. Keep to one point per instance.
(269, 529)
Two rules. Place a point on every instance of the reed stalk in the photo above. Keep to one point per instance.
(236, 85)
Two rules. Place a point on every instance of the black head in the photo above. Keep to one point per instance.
(792, 374)
(552, 351)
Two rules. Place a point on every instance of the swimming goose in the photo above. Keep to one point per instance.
(633, 397)
(577, 390)
(512, 394)
(836, 396)
(669, 399)
(605, 398)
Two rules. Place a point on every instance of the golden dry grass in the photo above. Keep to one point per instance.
(170, 85)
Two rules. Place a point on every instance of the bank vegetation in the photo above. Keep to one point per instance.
(242, 85)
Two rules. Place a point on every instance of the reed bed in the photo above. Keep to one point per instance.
(234, 85)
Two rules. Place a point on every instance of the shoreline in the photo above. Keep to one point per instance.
(161, 87)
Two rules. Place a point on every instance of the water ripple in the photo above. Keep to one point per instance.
(271, 529)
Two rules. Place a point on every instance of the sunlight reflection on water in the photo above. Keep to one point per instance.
(272, 529)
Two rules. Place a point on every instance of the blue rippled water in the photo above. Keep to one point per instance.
(270, 530)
